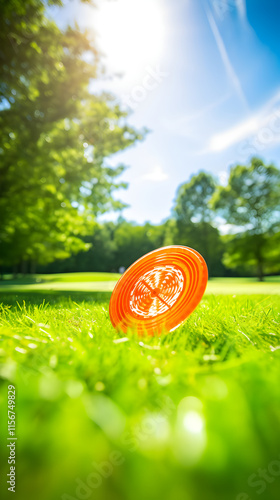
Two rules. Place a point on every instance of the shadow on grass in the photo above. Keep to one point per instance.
(22, 280)
(53, 297)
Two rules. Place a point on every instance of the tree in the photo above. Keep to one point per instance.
(113, 245)
(133, 241)
(251, 204)
(241, 252)
(56, 137)
(99, 257)
(192, 201)
(194, 215)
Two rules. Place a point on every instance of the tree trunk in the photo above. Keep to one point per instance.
(15, 271)
(23, 267)
(205, 232)
(260, 270)
(33, 266)
(259, 253)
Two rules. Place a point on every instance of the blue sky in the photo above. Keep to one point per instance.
(202, 75)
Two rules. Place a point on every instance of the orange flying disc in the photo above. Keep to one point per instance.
(159, 291)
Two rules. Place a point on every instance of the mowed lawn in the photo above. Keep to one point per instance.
(191, 415)
(103, 282)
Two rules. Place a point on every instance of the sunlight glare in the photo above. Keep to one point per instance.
(130, 34)
(193, 422)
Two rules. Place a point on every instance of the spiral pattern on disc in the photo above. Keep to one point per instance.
(156, 291)
(159, 291)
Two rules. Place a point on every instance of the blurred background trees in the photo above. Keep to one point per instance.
(248, 207)
(56, 179)
(250, 203)
(56, 138)
(195, 220)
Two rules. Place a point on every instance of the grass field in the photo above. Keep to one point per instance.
(105, 282)
(192, 415)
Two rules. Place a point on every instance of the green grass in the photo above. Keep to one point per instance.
(194, 413)
(105, 282)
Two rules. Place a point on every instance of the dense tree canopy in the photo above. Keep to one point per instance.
(251, 204)
(193, 215)
(114, 246)
(193, 197)
(56, 138)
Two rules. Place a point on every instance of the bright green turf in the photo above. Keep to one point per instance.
(194, 413)
(39, 279)
(105, 282)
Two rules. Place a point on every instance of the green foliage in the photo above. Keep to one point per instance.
(251, 198)
(206, 239)
(193, 220)
(198, 202)
(132, 241)
(241, 252)
(56, 137)
(192, 201)
(114, 245)
(251, 202)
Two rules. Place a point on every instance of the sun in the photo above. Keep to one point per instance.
(130, 34)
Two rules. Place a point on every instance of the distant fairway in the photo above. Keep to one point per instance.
(243, 286)
(105, 282)
(84, 282)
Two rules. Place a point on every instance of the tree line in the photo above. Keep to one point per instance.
(56, 137)
(249, 204)
(56, 143)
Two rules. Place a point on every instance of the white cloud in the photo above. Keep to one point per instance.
(225, 58)
(241, 7)
(264, 124)
(223, 140)
(156, 175)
